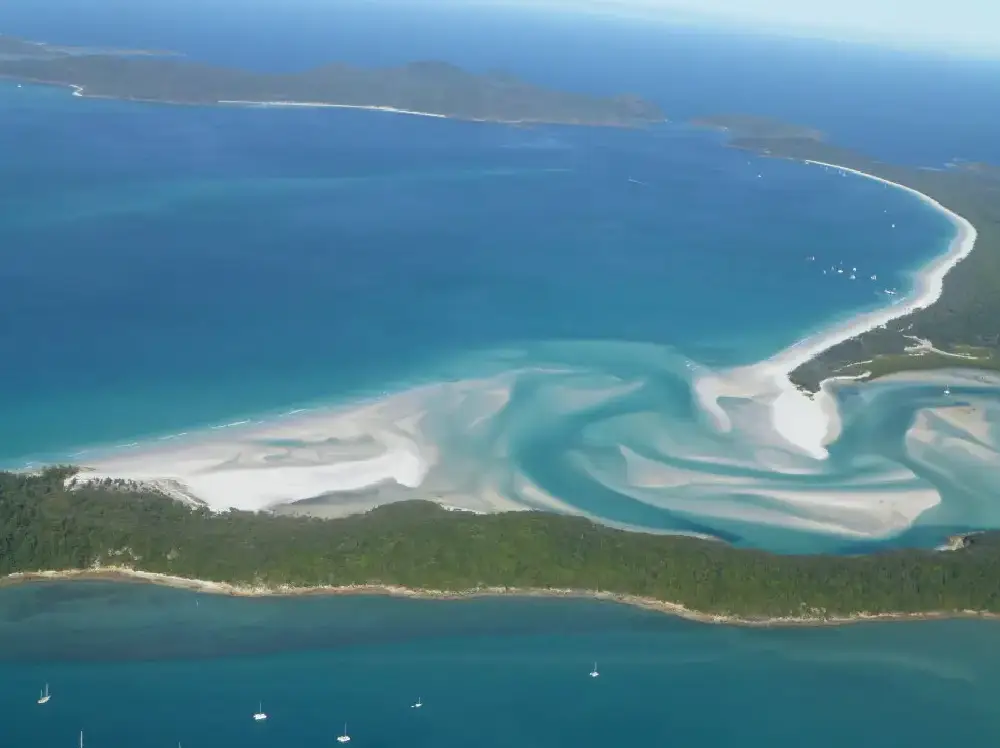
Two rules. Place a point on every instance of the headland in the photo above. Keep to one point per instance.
(947, 321)
(430, 88)
(419, 549)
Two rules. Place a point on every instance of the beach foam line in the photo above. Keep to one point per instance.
(324, 105)
(812, 422)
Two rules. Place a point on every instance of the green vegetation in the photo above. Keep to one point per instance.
(432, 87)
(418, 544)
(966, 314)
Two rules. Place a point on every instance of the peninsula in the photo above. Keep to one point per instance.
(429, 87)
(418, 548)
(959, 329)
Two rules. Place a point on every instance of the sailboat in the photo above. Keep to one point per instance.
(594, 673)
(44, 696)
(259, 715)
(345, 738)
(417, 705)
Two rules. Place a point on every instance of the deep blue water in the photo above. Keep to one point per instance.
(145, 667)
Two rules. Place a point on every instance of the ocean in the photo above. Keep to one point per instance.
(135, 665)
(503, 317)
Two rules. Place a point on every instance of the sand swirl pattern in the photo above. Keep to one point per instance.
(614, 432)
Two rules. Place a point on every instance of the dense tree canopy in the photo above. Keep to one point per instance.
(417, 544)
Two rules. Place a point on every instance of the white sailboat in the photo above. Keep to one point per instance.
(417, 705)
(594, 673)
(259, 715)
(344, 738)
(44, 696)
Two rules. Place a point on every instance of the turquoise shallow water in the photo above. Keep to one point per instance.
(144, 667)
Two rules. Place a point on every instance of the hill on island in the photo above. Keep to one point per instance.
(431, 87)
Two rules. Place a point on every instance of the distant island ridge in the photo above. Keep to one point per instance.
(950, 322)
(432, 87)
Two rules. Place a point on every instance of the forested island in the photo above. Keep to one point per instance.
(962, 325)
(421, 546)
(428, 87)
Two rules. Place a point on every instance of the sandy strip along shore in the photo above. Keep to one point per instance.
(809, 617)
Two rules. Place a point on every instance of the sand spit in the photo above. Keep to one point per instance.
(811, 422)
(367, 453)
(810, 617)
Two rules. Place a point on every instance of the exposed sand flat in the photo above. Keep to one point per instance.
(258, 466)
(970, 419)
(329, 462)
(463, 444)
(869, 508)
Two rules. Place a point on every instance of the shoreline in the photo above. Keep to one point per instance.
(325, 105)
(811, 421)
(125, 575)
(928, 282)
(928, 285)
(80, 92)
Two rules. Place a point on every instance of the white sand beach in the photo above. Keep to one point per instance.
(378, 447)
(810, 423)
(323, 105)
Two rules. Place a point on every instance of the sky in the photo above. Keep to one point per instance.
(961, 27)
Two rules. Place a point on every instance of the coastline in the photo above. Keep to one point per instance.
(928, 282)
(810, 421)
(378, 108)
(324, 105)
(81, 92)
(125, 575)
